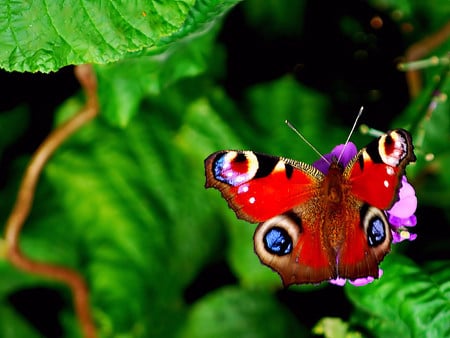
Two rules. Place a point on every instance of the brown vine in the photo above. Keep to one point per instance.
(21, 209)
(419, 50)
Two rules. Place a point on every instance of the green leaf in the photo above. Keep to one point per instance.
(428, 119)
(12, 124)
(408, 301)
(45, 36)
(280, 18)
(13, 326)
(127, 209)
(331, 327)
(433, 14)
(120, 98)
(187, 53)
(270, 104)
(236, 312)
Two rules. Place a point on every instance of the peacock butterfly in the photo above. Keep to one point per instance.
(313, 226)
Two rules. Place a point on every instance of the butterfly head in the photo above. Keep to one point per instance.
(339, 157)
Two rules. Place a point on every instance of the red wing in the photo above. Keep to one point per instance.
(257, 186)
(375, 173)
(367, 241)
(293, 247)
(298, 246)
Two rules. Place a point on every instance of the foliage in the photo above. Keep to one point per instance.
(122, 201)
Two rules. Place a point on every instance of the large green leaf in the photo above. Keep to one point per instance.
(189, 52)
(129, 214)
(234, 312)
(137, 226)
(47, 35)
(120, 98)
(408, 301)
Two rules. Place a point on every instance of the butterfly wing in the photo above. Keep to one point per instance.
(375, 173)
(258, 186)
(375, 177)
(293, 245)
(276, 192)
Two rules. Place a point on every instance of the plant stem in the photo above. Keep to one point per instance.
(24, 201)
(419, 50)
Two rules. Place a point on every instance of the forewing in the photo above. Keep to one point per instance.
(375, 173)
(258, 186)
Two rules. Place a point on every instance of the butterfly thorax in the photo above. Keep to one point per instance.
(334, 185)
(336, 188)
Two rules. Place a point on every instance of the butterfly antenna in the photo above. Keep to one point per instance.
(351, 132)
(290, 125)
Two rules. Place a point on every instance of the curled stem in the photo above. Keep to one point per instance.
(25, 196)
(419, 50)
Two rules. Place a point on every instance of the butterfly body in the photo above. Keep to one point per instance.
(314, 225)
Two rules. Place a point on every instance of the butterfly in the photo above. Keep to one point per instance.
(315, 227)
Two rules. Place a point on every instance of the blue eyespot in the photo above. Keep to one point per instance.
(232, 171)
(218, 168)
(277, 241)
(375, 232)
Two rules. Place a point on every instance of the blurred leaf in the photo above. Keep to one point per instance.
(404, 8)
(408, 301)
(270, 104)
(433, 14)
(137, 227)
(275, 17)
(330, 327)
(154, 70)
(429, 120)
(236, 312)
(12, 326)
(130, 214)
(12, 124)
(437, 13)
(120, 98)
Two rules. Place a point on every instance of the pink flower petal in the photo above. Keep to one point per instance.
(357, 282)
(410, 221)
(402, 234)
(407, 203)
(338, 281)
(361, 281)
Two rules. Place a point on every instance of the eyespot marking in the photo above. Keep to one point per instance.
(235, 168)
(375, 225)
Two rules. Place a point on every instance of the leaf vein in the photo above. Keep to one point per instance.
(11, 28)
(53, 25)
(113, 6)
(82, 5)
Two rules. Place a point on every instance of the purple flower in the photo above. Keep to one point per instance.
(357, 282)
(400, 215)
(323, 164)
